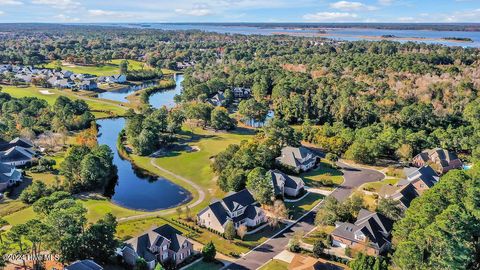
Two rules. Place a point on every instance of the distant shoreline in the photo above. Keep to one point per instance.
(393, 38)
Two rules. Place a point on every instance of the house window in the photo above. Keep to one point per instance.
(181, 256)
(188, 252)
(165, 256)
(164, 247)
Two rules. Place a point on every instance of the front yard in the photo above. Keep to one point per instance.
(275, 265)
(324, 176)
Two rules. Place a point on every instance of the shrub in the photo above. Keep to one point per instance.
(209, 251)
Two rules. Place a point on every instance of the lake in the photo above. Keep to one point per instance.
(165, 98)
(134, 188)
(348, 34)
(121, 94)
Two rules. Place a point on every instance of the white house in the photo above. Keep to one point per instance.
(286, 185)
(239, 208)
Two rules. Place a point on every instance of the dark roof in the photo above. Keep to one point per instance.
(241, 198)
(157, 236)
(279, 180)
(219, 212)
(426, 174)
(373, 225)
(16, 153)
(406, 195)
(84, 265)
(173, 235)
(15, 142)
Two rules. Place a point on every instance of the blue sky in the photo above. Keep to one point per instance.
(239, 11)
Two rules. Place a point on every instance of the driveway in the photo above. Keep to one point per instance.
(354, 177)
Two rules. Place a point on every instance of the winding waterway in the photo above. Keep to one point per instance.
(134, 188)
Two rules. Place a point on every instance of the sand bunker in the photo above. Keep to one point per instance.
(46, 92)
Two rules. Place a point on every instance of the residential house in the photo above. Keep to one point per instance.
(286, 185)
(405, 195)
(16, 142)
(9, 176)
(298, 158)
(443, 159)
(217, 100)
(84, 265)
(370, 234)
(422, 179)
(158, 245)
(119, 78)
(17, 156)
(240, 92)
(240, 208)
(87, 85)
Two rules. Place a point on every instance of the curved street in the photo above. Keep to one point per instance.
(353, 178)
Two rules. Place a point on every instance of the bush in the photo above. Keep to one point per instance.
(348, 252)
(318, 247)
(208, 252)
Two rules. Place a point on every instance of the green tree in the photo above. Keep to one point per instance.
(99, 239)
(259, 182)
(220, 120)
(124, 67)
(390, 208)
(318, 247)
(209, 252)
(230, 231)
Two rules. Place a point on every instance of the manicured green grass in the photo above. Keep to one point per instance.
(275, 265)
(198, 170)
(111, 68)
(108, 69)
(376, 186)
(201, 265)
(297, 209)
(21, 216)
(324, 172)
(100, 107)
(8, 207)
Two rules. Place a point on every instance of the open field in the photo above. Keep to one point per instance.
(108, 69)
(100, 107)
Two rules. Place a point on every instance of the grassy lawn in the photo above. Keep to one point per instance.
(376, 186)
(101, 108)
(320, 233)
(324, 172)
(198, 170)
(297, 209)
(275, 265)
(108, 69)
(201, 265)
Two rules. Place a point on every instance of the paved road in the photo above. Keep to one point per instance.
(354, 177)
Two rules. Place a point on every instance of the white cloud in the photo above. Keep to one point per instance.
(110, 14)
(60, 4)
(330, 16)
(1, 13)
(385, 2)
(10, 3)
(66, 18)
(197, 10)
(347, 6)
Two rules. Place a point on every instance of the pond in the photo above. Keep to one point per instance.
(135, 189)
(121, 94)
(165, 98)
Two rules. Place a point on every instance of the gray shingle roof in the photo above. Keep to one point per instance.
(84, 265)
(373, 225)
(426, 174)
(294, 156)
